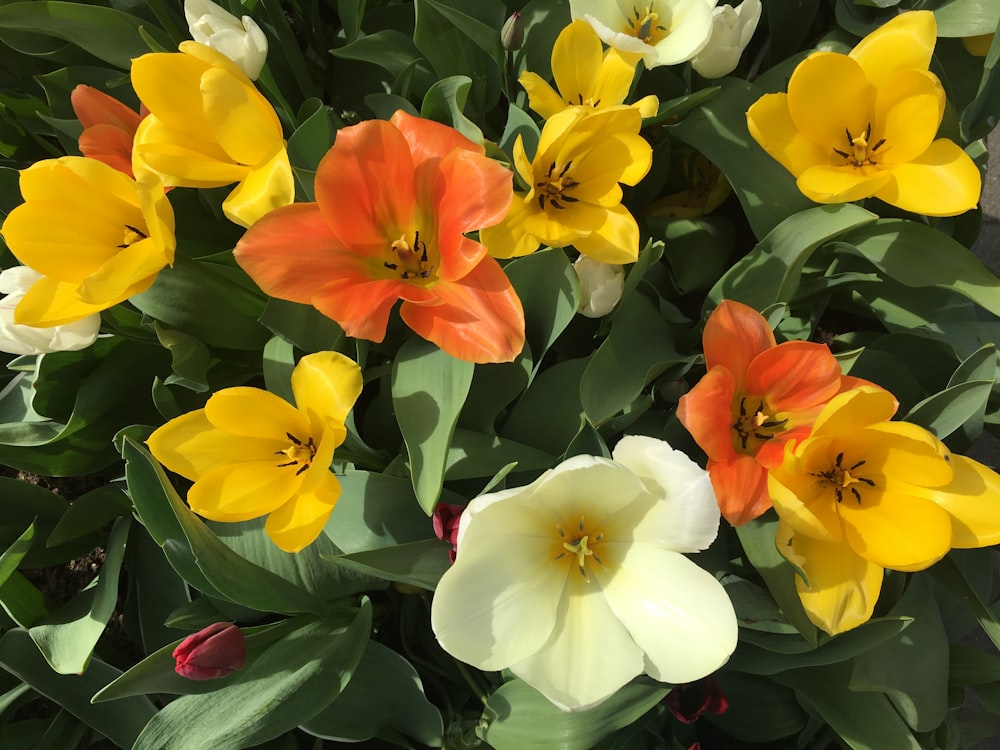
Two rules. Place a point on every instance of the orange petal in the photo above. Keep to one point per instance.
(478, 320)
(794, 376)
(734, 335)
(94, 107)
(429, 140)
(707, 413)
(109, 144)
(365, 186)
(740, 486)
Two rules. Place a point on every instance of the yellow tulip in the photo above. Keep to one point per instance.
(250, 453)
(862, 493)
(208, 127)
(864, 124)
(96, 235)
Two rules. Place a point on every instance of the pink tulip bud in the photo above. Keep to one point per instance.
(446, 518)
(211, 653)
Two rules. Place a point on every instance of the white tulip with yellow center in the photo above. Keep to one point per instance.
(578, 582)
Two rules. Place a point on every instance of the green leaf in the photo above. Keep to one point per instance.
(385, 693)
(22, 602)
(68, 636)
(121, 722)
(292, 681)
(90, 512)
(190, 358)
(948, 574)
(549, 414)
(519, 123)
(106, 33)
(966, 18)
(444, 102)
(475, 454)
(418, 564)
(518, 717)
(13, 555)
(302, 325)
(428, 390)
(308, 145)
(770, 272)
(865, 721)
(218, 570)
(760, 709)
(948, 410)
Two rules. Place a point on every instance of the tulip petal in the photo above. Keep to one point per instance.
(685, 517)
(740, 486)
(734, 334)
(615, 240)
(908, 112)
(690, 31)
(904, 42)
(108, 144)
(478, 319)
(542, 98)
(826, 184)
(770, 123)
(901, 451)
(972, 500)
(264, 188)
(173, 103)
(326, 385)
(803, 501)
(239, 117)
(707, 412)
(589, 655)
(794, 376)
(943, 181)
(255, 413)
(853, 410)
(842, 588)
(431, 141)
(492, 615)
(897, 531)
(301, 519)
(240, 492)
(613, 489)
(509, 238)
(676, 612)
(577, 56)
(829, 94)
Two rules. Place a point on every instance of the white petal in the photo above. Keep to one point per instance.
(497, 604)
(690, 30)
(587, 485)
(686, 518)
(18, 279)
(677, 613)
(589, 655)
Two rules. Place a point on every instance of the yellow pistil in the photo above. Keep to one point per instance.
(583, 545)
(645, 25)
(860, 154)
(842, 480)
(299, 453)
(554, 186)
(753, 425)
(412, 259)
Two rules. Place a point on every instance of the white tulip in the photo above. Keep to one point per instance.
(16, 338)
(577, 582)
(601, 286)
(241, 40)
(664, 32)
(732, 30)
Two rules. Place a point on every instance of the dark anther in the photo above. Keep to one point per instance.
(290, 463)
(868, 132)
(840, 494)
(743, 410)
(554, 203)
(137, 231)
(859, 463)
(564, 169)
(645, 28)
(841, 153)
(390, 266)
(580, 97)
(762, 436)
(570, 199)
(867, 481)
(552, 168)
(302, 468)
(541, 201)
(850, 141)
(857, 495)
(581, 526)
(878, 145)
(840, 457)
(294, 439)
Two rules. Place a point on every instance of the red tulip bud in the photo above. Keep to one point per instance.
(211, 653)
(446, 518)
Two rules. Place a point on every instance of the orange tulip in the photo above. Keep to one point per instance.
(108, 127)
(756, 396)
(394, 201)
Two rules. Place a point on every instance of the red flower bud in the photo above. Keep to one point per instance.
(211, 653)
(446, 518)
(688, 702)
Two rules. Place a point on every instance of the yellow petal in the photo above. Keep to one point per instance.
(135, 265)
(943, 181)
(54, 303)
(264, 188)
(770, 123)
(843, 587)
(239, 492)
(326, 385)
(906, 41)
(972, 500)
(301, 519)
(901, 451)
(88, 183)
(191, 446)
(898, 531)
(252, 412)
(576, 63)
(614, 81)
(803, 502)
(509, 238)
(828, 95)
(647, 106)
(241, 120)
(182, 159)
(542, 98)
(854, 410)
(616, 240)
(169, 84)
(558, 227)
(907, 115)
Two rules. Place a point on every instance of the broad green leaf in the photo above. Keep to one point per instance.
(519, 124)
(190, 358)
(418, 564)
(120, 722)
(549, 414)
(759, 710)
(157, 591)
(279, 362)
(308, 145)
(385, 693)
(475, 455)
(864, 721)
(912, 667)
(518, 717)
(217, 570)
(68, 636)
(90, 512)
(638, 348)
(444, 102)
(22, 602)
(106, 33)
(428, 390)
(948, 410)
(967, 17)
(391, 50)
(770, 272)
(948, 574)
(12, 556)
(302, 325)
(292, 681)
(550, 293)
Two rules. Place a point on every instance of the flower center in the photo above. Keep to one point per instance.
(580, 543)
(645, 25)
(409, 260)
(754, 425)
(553, 188)
(131, 235)
(843, 480)
(859, 153)
(299, 453)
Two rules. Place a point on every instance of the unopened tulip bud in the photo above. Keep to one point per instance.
(601, 286)
(239, 39)
(446, 519)
(512, 33)
(732, 29)
(212, 652)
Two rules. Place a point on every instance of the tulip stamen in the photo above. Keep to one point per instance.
(300, 453)
(841, 478)
(758, 425)
(582, 545)
(131, 236)
(553, 188)
(645, 25)
(412, 258)
(859, 153)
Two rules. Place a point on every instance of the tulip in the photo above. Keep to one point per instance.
(732, 29)
(241, 40)
(601, 286)
(16, 338)
(211, 653)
